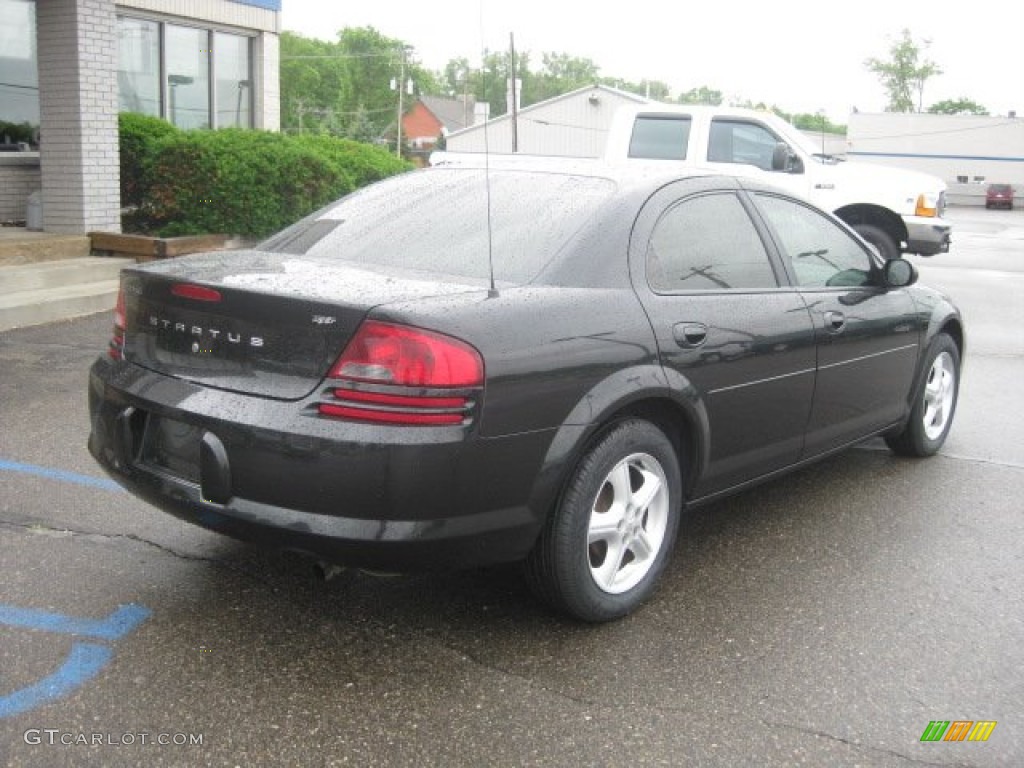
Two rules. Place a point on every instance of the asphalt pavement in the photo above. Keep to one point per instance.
(825, 619)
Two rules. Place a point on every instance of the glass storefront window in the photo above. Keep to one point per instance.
(19, 72)
(188, 76)
(231, 65)
(138, 68)
(192, 81)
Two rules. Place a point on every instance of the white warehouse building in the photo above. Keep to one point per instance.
(574, 124)
(968, 152)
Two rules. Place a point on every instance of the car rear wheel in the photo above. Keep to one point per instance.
(934, 403)
(610, 537)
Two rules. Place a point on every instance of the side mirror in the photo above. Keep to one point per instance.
(899, 273)
(783, 159)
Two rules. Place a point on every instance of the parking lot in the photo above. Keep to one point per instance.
(823, 619)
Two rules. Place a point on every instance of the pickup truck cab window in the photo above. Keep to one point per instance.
(707, 243)
(743, 142)
(660, 137)
(818, 252)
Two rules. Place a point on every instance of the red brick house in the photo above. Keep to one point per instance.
(433, 117)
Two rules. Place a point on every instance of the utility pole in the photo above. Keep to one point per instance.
(512, 95)
(401, 93)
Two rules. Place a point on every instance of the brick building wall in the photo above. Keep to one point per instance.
(267, 62)
(78, 110)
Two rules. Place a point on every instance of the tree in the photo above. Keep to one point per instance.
(561, 73)
(701, 95)
(904, 73)
(558, 73)
(360, 127)
(961, 106)
(345, 87)
(806, 121)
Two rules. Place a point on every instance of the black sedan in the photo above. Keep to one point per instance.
(541, 363)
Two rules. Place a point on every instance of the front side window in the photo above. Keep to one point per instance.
(738, 141)
(660, 137)
(818, 251)
(708, 243)
(19, 72)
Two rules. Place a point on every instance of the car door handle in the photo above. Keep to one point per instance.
(690, 334)
(834, 321)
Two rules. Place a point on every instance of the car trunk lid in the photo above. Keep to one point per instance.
(254, 322)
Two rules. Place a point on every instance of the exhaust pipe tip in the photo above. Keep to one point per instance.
(325, 571)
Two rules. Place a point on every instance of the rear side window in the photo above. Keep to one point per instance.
(660, 137)
(708, 243)
(437, 222)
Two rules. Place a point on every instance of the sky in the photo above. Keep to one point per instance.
(799, 55)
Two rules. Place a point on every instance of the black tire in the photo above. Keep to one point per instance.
(878, 237)
(593, 563)
(935, 398)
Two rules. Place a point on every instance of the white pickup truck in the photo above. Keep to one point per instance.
(895, 210)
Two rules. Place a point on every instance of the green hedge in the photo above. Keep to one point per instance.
(236, 181)
(139, 135)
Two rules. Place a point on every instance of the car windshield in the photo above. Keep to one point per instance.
(437, 222)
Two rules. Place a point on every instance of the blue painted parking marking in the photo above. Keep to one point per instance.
(83, 663)
(114, 627)
(59, 474)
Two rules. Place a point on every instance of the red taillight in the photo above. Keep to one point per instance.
(116, 347)
(399, 401)
(195, 292)
(408, 417)
(410, 357)
(399, 356)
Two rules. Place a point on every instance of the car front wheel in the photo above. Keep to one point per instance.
(934, 404)
(611, 534)
(888, 248)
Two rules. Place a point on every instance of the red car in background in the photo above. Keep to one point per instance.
(999, 196)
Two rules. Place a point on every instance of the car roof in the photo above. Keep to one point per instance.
(635, 175)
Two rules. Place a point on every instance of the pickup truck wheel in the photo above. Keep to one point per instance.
(611, 534)
(879, 238)
(934, 402)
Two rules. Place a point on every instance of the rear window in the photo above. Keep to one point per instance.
(660, 137)
(436, 221)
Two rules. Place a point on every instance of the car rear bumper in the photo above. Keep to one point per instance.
(927, 236)
(389, 498)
